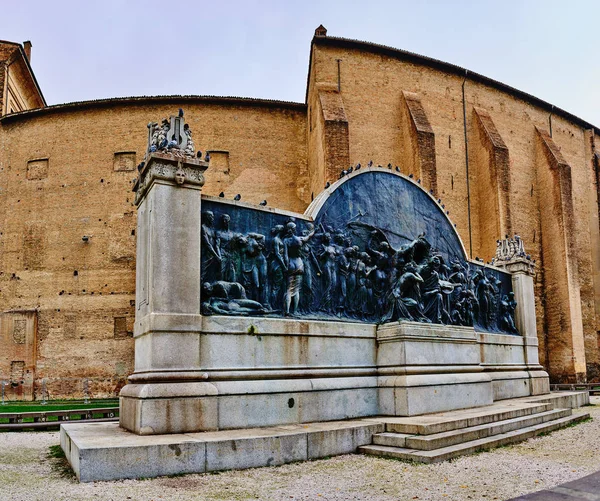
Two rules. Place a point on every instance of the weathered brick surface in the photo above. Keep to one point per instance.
(418, 138)
(490, 182)
(65, 174)
(80, 288)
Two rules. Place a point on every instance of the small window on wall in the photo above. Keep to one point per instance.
(37, 169)
(124, 161)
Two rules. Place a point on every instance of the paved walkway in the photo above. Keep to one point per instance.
(586, 488)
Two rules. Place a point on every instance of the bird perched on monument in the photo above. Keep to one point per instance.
(221, 195)
(207, 157)
(327, 184)
(358, 166)
(263, 203)
(370, 164)
(390, 166)
(342, 174)
(397, 169)
(180, 112)
(411, 176)
(350, 169)
(199, 155)
(238, 197)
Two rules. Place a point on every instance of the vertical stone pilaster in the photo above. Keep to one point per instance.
(164, 394)
(522, 272)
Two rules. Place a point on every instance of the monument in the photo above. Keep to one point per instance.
(249, 317)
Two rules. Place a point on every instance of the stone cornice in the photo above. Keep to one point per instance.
(182, 171)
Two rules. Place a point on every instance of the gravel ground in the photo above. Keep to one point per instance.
(28, 472)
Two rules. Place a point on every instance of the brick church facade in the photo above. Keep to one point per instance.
(501, 161)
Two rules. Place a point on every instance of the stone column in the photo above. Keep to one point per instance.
(522, 271)
(166, 393)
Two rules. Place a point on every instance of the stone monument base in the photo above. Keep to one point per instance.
(268, 372)
(104, 451)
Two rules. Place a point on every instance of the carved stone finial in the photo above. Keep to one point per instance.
(173, 137)
(510, 254)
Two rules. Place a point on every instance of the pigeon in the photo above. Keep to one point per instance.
(263, 203)
(358, 166)
(411, 176)
(443, 206)
(439, 200)
(238, 197)
(180, 112)
(431, 192)
(397, 169)
(350, 169)
(342, 174)
(328, 184)
(419, 181)
(221, 195)
(379, 166)
(199, 155)
(390, 166)
(370, 164)
(207, 157)
(447, 213)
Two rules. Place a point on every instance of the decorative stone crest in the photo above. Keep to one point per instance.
(173, 136)
(170, 157)
(511, 255)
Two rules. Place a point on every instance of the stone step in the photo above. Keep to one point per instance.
(452, 451)
(454, 420)
(447, 438)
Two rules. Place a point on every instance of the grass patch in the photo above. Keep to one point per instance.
(56, 405)
(58, 462)
(575, 423)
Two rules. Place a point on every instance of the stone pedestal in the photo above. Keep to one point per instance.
(167, 373)
(522, 271)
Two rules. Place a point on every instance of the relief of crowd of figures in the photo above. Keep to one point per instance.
(350, 274)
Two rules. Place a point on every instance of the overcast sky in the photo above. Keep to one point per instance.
(96, 49)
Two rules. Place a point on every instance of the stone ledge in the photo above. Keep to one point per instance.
(104, 451)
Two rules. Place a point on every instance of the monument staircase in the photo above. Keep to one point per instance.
(446, 435)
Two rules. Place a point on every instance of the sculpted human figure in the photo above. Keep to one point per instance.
(278, 268)
(364, 295)
(353, 257)
(211, 257)
(432, 291)
(485, 291)
(228, 298)
(328, 257)
(251, 263)
(312, 270)
(383, 258)
(226, 243)
(292, 249)
(405, 299)
(507, 307)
